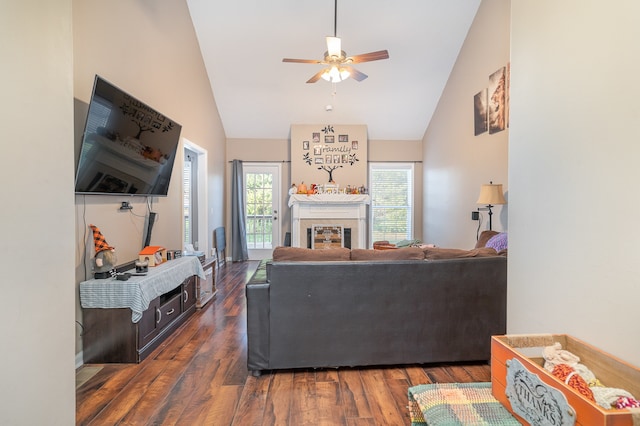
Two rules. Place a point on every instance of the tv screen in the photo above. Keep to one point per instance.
(127, 146)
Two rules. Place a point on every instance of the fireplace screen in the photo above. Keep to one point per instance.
(327, 236)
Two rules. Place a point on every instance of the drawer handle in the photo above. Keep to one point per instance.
(171, 311)
(159, 315)
(186, 296)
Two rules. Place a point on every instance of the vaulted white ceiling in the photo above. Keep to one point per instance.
(258, 96)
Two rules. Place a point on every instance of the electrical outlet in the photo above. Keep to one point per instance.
(475, 215)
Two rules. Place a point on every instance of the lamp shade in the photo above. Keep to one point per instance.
(491, 194)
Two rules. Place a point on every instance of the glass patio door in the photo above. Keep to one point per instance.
(262, 204)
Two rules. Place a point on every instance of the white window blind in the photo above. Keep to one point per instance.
(391, 190)
(186, 199)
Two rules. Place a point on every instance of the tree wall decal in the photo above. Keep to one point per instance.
(329, 169)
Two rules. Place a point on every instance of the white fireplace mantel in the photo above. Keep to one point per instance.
(329, 207)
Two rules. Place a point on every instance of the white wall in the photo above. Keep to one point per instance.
(573, 172)
(457, 163)
(36, 244)
(148, 49)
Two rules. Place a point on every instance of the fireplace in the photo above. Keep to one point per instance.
(346, 238)
(345, 210)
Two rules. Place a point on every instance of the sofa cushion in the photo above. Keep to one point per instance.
(498, 242)
(433, 253)
(484, 237)
(305, 254)
(407, 253)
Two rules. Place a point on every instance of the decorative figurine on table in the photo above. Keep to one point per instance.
(105, 259)
(293, 190)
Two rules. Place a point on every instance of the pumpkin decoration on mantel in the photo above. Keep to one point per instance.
(302, 188)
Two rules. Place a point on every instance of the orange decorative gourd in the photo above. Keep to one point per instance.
(302, 188)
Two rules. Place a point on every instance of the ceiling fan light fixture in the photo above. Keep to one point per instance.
(338, 63)
(335, 74)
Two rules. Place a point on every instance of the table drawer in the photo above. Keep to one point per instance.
(169, 311)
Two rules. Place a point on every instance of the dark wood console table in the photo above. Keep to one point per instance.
(125, 320)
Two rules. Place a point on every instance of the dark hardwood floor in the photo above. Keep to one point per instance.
(199, 377)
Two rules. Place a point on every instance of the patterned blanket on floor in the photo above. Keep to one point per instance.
(453, 404)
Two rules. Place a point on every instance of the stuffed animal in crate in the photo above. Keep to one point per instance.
(105, 259)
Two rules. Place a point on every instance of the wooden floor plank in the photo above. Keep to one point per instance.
(479, 372)
(304, 407)
(416, 375)
(188, 393)
(253, 401)
(131, 394)
(199, 376)
(354, 399)
(380, 399)
(399, 390)
(278, 406)
(155, 398)
(328, 403)
(221, 408)
(438, 374)
(209, 396)
(95, 394)
(361, 422)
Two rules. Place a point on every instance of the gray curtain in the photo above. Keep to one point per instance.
(239, 252)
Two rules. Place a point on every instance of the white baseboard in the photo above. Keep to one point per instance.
(79, 360)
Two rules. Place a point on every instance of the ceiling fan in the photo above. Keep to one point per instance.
(338, 63)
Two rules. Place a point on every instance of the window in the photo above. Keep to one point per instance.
(391, 189)
(190, 198)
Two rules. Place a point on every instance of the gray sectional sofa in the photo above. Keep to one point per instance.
(379, 310)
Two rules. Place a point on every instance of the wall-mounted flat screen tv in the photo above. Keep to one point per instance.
(127, 146)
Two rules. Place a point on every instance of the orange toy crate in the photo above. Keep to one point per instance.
(527, 350)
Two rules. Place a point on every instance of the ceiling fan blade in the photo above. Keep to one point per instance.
(355, 74)
(316, 76)
(368, 57)
(302, 61)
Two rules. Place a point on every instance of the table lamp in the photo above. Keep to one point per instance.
(491, 195)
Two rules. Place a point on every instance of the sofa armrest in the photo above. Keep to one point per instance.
(257, 295)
